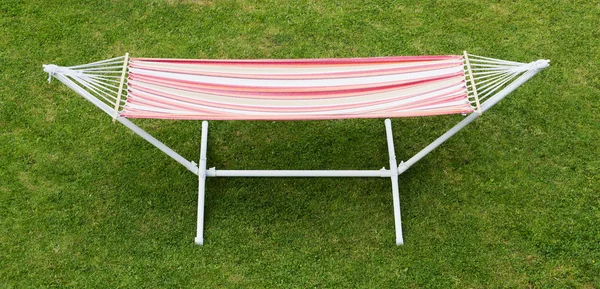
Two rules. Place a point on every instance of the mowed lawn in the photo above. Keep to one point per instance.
(512, 201)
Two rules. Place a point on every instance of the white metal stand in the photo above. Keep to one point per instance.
(393, 173)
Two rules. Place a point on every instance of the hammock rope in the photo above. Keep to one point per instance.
(100, 78)
(491, 75)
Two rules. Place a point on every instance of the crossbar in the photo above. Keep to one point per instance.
(212, 172)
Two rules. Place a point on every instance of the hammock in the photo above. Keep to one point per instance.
(296, 89)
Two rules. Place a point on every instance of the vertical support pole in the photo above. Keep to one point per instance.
(199, 240)
(394, 177)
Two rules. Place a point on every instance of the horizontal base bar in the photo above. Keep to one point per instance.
(212, 172)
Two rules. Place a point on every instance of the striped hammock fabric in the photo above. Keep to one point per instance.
(296, 89)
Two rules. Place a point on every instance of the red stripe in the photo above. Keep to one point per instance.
(302, 62)
(138, 114)
(325, 75)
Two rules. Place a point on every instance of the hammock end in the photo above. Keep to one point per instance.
(541, 64)
(50, 69)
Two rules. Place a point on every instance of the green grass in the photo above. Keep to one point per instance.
(513, 201)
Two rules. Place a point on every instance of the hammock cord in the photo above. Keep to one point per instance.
(100, 78)
(491, 75)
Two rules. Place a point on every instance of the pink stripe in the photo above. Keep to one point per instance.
(302, 62)
(373, 72)
(288, 117)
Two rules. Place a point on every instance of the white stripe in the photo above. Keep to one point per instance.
(298, 82)
(301, 70)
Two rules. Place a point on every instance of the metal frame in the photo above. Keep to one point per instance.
(393, 172)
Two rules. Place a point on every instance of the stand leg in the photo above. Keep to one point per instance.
(394, 177)
(199, 240)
